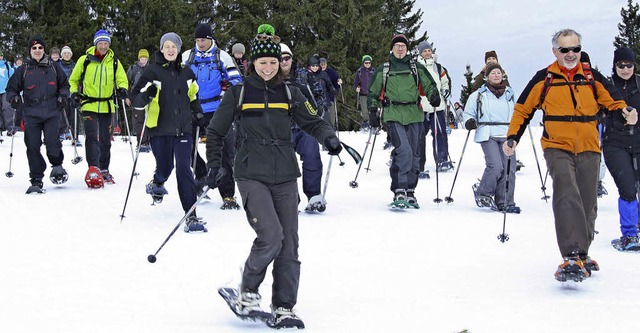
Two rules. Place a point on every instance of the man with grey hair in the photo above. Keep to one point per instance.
(570, 94)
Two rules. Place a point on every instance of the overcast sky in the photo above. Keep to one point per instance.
(520, 32)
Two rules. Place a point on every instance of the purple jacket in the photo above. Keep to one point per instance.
(363, 76)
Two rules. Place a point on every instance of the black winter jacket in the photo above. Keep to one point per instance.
(41, 83)
(176, 110)
(616, 132)
(265, 151)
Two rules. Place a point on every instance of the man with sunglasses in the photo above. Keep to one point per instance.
(361, 85)
(570, 96)
(45, 91)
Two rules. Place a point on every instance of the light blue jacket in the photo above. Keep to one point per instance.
(493, 115)
(5, 75)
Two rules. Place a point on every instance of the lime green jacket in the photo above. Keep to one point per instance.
(99, 81)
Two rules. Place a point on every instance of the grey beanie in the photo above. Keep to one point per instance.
(172, 36)
(423, 46)
(237, 47)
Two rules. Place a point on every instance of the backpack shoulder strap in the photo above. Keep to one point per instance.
(192, 55)
(385, 76)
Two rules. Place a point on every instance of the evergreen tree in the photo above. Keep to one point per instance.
(467, 88)
(629, 29)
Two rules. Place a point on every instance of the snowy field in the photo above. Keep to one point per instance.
(69, 265)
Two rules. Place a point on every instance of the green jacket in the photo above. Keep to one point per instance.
(98, 80)
(401, 90)
(265, 151)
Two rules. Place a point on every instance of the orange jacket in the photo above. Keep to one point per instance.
(565, 100)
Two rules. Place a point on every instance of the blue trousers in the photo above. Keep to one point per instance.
(307, 147)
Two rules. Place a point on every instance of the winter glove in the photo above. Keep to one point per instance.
(374, 119)
(214, 177)
(471, 124)
(63, 102)
(332, 143)
(76, 100)
(434, 99)
(123, 93)
(15, 102)
(445, 93)
(197, 119)
(151, 92)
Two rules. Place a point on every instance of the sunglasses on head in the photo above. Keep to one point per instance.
(37, 47)
(262, 37)
(575, 49)
(623, 65)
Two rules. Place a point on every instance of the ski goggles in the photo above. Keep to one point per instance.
(263, 37)
(575, 49)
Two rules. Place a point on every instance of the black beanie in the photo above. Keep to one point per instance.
(37, 39)
(203, 30)
(399, 38)
(265, 48)
(623, 54)
(313, 60)
(584, 57)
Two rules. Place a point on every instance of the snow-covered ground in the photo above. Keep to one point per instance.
(67, 263)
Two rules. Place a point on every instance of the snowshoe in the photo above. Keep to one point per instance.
(445, 166)
(601, 190)
(117, 130)
(246, 307)
(107, 177)
(93, 178)
(399, 200)
(589, 264)
(194, 223)
(145, 148)
(571, 269)
(77, 143)
(36, 187)
(58, 175)
(511, 209)
(412, 202)
(424, 175)
(483, 200)
(229, 203)
(316, 204)
(626, 244)
(519, 165)
(157, 191)
(284, 318)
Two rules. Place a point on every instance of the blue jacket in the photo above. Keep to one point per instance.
(494, 114)
(211, 73)
(6, 71)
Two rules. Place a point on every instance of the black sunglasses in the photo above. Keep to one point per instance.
(623, 65)
(575, 49)
(286, 58)
(37, 47)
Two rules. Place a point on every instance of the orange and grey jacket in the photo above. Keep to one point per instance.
(569, 110)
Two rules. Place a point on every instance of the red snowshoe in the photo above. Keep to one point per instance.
(94, 178)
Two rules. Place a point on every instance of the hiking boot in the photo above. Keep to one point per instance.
(589, 264)
(424, 175)
(626, 243)
(194, 223)
(247, 302)
(511, 209)
(400, 195)
(58, 175)
(444, 166)
(156, 188)
(285, 318)
(229, 203)
(108, 178)
(571, 268)
(36, 186)
(145, 148)
(411, 199)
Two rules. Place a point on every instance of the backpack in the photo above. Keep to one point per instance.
(216, 60)
(548, 83)
(442, 69)
(241, 97)
(479, 111)
(385, 76)
(88, 99)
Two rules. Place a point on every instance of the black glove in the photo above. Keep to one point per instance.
(197, 119)
(151, 92)
(446, 93)
(434, 100)
(63, 102)
(76, 100)
(123, 93)
(214, 177)
(374, 119)
(332, 143)
(471, 124)
(15, 102)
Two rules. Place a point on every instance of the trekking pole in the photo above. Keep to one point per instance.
(9, 174)
(135, 162)
(503, 237)
(436, 128)
(126, 123)
(449, 199)
(354, 183)
(543, 187)
(323, 205)
(371, 152)
(195, 149)
(76, 159)
(152, 257)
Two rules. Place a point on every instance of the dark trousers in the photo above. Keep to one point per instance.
(405, 156)
(272, 212)
(307, 147)
(138, 125)
(34, 127)
(72, 119)
(436, 123)
(165, 149)
(97, 139)
(227, 187)
(575, 205)
(620, 162)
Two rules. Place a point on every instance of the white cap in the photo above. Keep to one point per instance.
(285, 49)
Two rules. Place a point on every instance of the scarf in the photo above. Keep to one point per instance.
(498, 90)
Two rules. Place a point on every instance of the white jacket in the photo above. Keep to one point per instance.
(441, 80)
